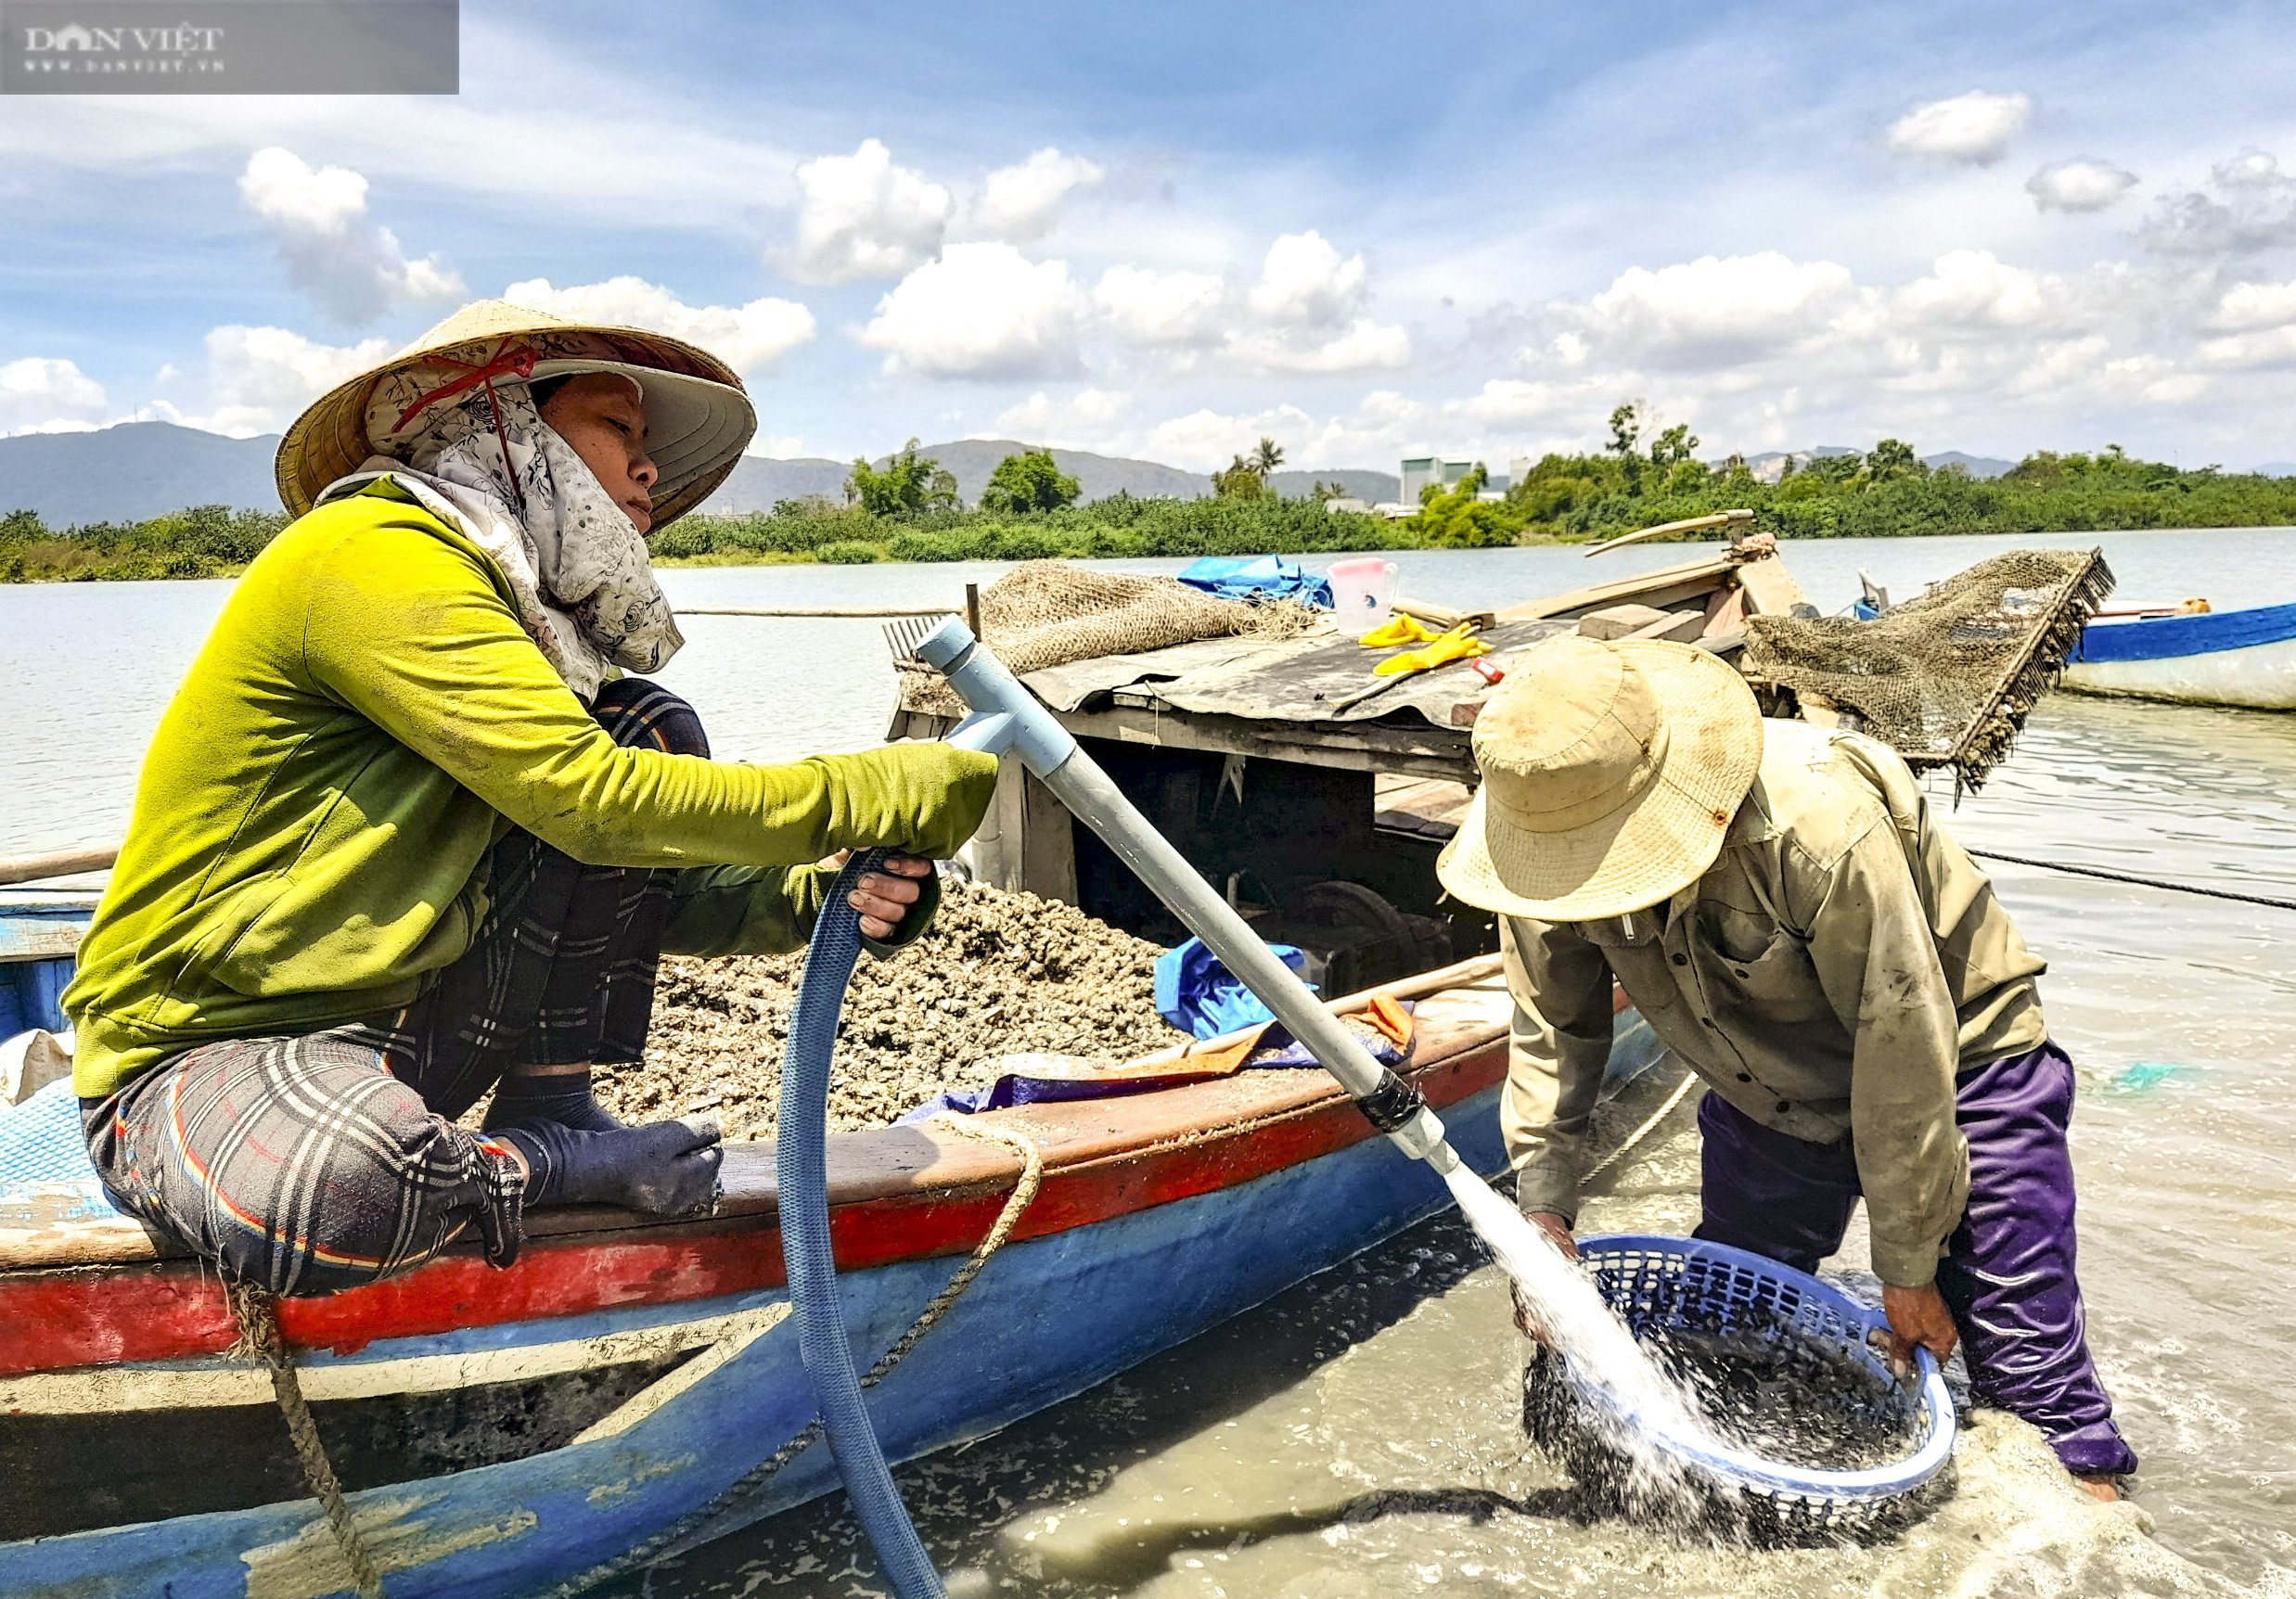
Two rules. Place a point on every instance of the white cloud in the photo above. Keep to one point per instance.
(259, 378)
(2261, 320)
(1363, 346)
(1975, 128)
(1308, 303)
(747, 337)
(862, 216)
(350, 267)
(1305, 283)
(1020, 203)
(1085, 419)
(1719, 309)
(1154, 310)
(2248, 204)
(982, 311)
(2079, 185)
(775, 446)
(2257, 305)
(1970, 287)
(1206, 439)
(40, 395)
(2266, 347)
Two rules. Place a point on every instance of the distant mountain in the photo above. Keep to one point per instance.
(1372, 487)
(2276, 469)
(1976, 466)
(757, 482)
(139, 469)
(133, 470)
(1097, 476)
(1765, 466)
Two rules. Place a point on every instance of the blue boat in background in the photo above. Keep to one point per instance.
(2237, 658)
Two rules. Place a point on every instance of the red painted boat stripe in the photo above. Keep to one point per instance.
(98, 1315)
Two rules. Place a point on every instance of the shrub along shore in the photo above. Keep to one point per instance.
(1883, 493)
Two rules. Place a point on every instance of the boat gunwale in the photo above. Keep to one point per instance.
(2180, 637)
(72, 1311)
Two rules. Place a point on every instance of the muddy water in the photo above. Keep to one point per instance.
(1358, 1434)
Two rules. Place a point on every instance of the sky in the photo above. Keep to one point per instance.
(1367, 231)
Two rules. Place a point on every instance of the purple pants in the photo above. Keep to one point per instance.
(2008, 1274)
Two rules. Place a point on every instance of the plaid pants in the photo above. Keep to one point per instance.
(314, 1163)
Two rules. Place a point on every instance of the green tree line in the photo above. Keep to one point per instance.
(1640, 480)
(909, 509)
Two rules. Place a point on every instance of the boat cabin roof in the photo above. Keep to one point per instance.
(1313, 700)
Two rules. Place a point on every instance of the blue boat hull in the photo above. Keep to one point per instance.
(1048, 1318)
(2240, 658)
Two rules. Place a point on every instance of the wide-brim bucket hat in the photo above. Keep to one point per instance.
(1611, 773)
(698, 419)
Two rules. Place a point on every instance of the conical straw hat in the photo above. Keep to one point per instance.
(1611, 773)
(698, 417)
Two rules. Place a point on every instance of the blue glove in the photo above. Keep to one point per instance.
(664, 1168)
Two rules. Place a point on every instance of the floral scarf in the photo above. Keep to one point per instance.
(475, 452)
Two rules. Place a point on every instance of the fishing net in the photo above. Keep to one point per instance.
(1946, 679)
(1044, 614)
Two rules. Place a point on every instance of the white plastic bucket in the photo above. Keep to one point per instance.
(1363, 592)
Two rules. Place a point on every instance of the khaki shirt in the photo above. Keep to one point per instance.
(1831, 973)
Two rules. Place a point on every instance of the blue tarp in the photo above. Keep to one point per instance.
(1198, 995)
(41, 1141)
(1258, 577)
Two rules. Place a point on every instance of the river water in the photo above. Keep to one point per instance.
(1358, 1434)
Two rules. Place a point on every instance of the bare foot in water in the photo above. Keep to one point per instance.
(2103, 1488)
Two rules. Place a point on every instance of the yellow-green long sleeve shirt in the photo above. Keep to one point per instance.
(366, 719)
(1831, 973)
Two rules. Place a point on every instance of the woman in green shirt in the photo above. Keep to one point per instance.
(407, 832)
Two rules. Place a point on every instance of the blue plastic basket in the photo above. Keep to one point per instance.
(1662, 1286)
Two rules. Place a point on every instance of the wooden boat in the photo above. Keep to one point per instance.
(2236, 658)
(505, 1430)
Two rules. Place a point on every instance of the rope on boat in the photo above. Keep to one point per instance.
(2131, 878)
(257, 1312)
(1682, 1089)
(758, 1475)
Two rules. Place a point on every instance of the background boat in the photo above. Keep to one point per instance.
(2236, 658)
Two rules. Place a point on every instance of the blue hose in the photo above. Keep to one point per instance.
(802, 1171)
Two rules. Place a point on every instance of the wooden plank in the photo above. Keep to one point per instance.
(1442, 616)
(1425, 807)
(1673, 626)
(1661, 588)
(1048, 843)
(58, 863)
(1725, 612)
(1770, 589)
(864, 613)
(30, 939)
(996, 849)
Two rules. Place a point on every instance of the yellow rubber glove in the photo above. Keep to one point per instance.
(1396, 630)
(1451, 645)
